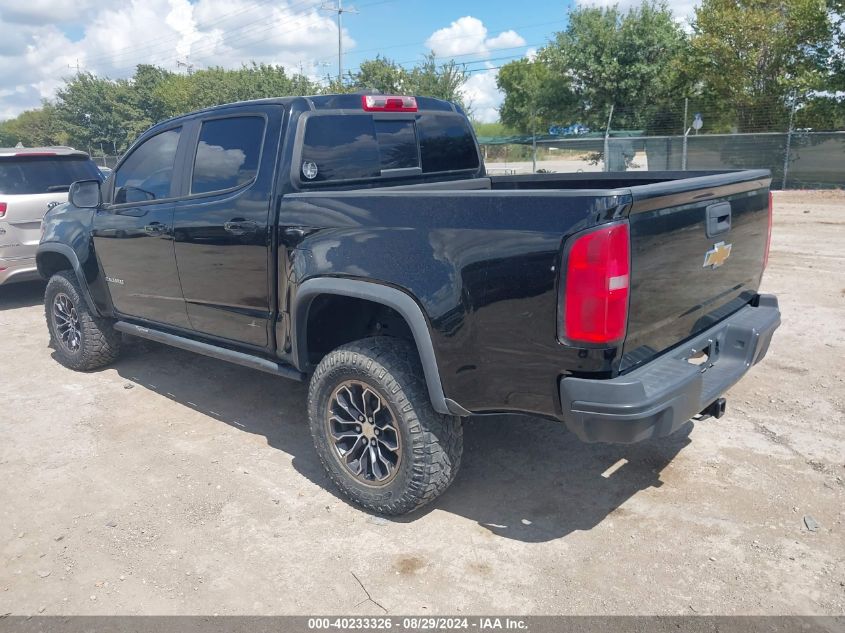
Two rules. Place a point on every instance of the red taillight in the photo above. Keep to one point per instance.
(2, 209)
(388, 103)
(597, 280)
(769, 235)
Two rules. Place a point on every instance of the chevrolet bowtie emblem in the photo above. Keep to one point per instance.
(717, 255)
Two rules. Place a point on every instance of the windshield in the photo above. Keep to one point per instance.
(44, 174)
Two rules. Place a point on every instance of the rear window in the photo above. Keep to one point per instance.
(44, 174)
(446, 143)
(361, 147)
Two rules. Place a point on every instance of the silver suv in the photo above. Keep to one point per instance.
(32, 181)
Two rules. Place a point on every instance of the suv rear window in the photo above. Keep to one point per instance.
(44, 174)
(339, 147)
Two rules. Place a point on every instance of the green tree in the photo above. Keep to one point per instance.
(33, 128)
(628, 60)
(751, 55)
(147, 90)
(428, 79)
(534, 96)
(94, 111)
(380, 74)
(442, 81)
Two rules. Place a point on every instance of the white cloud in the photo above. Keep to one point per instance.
(467, 36)
(37, 12)
(464, 36)
(683, 10)
(506, 39)
(483, 96)
(35, 55)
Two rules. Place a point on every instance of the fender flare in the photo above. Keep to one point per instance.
(68, 253)
(400, 301)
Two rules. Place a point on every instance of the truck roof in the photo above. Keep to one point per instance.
(55, 150)
(336, 101)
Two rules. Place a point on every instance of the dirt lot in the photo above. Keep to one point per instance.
(177, 484)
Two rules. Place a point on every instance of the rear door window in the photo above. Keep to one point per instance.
(44, 174)
(227, 153)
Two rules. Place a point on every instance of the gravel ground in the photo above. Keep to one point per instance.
(176, 484)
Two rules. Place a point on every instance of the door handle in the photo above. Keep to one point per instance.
(155, 228)
(240, 226)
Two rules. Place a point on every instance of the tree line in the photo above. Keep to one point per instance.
(745, 65)
(101, 114)
(741, 64)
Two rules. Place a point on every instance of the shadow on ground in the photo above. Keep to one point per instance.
(22, 294)
(522, 478)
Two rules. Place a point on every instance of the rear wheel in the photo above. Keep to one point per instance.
(82, 340)
(375, 431)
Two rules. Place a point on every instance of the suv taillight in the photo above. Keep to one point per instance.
(769, 235)
(2, 209)
(596, 283)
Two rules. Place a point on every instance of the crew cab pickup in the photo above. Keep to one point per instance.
(356, 241)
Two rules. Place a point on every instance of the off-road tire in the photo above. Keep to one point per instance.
(430, 443)
(99, 342)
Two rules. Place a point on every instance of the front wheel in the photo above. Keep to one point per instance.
(375, 430)
(82, 340)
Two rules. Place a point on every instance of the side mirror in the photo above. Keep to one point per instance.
(85, 194)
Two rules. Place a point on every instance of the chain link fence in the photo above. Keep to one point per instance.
(801, 160)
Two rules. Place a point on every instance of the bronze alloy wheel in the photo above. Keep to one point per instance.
(363, 430)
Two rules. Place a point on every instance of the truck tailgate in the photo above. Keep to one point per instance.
(697, 255)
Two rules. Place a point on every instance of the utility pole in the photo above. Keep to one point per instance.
(186, 64)
(340, 11)
(76, 65)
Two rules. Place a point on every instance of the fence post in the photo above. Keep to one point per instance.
(686, 133)
(607, 140)
(788, 141)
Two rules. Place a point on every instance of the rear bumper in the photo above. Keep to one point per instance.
(18, 269)
(658, 398)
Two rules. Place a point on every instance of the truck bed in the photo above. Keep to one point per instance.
(483, 258)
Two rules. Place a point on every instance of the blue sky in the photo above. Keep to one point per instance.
(44, 40)
(400, 29)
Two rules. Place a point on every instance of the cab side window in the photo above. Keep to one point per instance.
(227, 153)
(147, 174)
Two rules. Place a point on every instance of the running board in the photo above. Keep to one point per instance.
(222, 353)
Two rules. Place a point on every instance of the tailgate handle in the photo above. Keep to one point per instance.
(718, 219)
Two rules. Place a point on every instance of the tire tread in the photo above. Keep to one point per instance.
(100, 341)
(437, 440)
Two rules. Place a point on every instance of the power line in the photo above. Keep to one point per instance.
(472, 61)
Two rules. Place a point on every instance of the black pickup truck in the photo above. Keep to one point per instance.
(356, 241)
